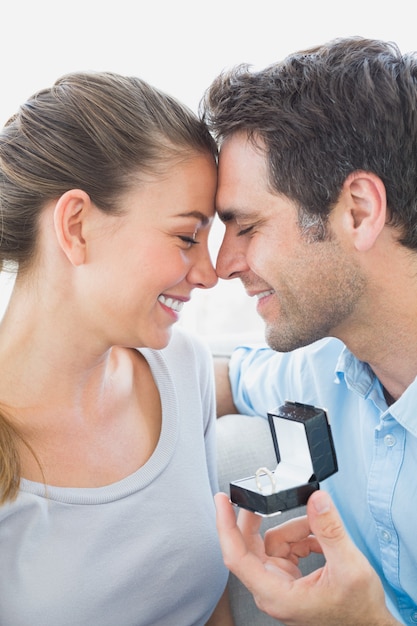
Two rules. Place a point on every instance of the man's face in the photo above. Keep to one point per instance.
(306, 289)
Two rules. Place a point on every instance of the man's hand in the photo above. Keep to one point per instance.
(346, 591)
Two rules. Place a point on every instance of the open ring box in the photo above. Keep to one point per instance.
(305, 453)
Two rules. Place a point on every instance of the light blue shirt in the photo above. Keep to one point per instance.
(375, 488)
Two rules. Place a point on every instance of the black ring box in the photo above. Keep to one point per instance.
(305, 453)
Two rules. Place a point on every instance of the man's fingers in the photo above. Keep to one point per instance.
(238, 556)
(292, 539)
(225, 514)
(231, 539)
(249, 523)
(295, 529)
(233, 533)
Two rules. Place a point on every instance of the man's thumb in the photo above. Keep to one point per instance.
(325, 522)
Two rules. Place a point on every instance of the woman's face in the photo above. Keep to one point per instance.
(147, 261)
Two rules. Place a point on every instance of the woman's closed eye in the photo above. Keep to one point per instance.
(189, 240)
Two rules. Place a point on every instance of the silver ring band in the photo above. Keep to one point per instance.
(267, 472)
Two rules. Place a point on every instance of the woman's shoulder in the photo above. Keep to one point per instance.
(187, 341)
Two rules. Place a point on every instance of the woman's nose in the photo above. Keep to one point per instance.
(202, 274)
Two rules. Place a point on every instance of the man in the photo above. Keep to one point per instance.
(318, 193)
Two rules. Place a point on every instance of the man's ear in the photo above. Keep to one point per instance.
(365, 208)
(69, 216)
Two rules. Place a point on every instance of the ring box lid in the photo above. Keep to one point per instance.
(305, 453)
(303, 441)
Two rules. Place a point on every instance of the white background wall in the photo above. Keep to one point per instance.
(179, 46)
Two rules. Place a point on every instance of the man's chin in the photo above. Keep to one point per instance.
(279, 341)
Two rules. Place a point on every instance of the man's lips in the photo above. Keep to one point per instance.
(259, 294)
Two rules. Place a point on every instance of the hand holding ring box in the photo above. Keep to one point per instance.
(305, 453)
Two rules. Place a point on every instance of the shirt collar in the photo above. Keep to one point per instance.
(360, 378)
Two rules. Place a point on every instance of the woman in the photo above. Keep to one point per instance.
(107, 429)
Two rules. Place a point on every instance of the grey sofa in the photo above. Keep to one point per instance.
(244, 444)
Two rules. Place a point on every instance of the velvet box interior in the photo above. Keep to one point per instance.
(305, 453)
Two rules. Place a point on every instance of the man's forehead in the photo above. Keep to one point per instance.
(240, 163)
(241, 146)
(242, 175)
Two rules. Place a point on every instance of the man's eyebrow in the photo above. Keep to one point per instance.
(198, 215)
(237, 214)
(227, 215)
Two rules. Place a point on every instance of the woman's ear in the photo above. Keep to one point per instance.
(69, 216)
(365, 207)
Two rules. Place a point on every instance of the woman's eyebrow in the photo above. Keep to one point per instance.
(197, 214)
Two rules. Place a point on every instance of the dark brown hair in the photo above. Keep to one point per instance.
(323, 113)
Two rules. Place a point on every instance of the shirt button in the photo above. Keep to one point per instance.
(414, 616)
(386, 536)
(389, 441)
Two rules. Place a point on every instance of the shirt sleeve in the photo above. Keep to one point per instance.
(253, 373)
(262, 379)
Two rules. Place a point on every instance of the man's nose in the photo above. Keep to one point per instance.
(231, 258)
